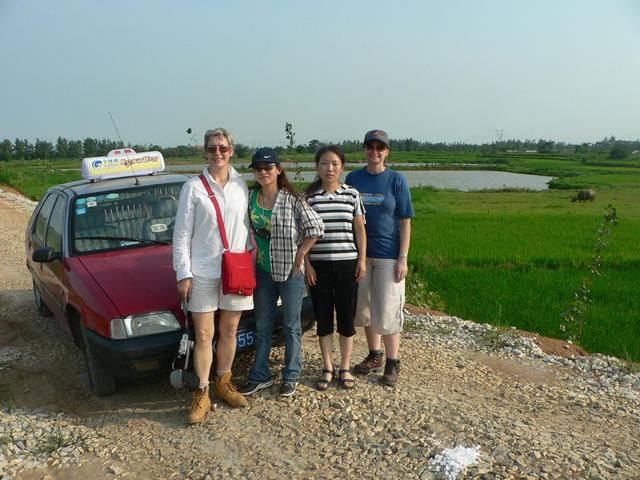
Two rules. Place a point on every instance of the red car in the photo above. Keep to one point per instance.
(101, 259)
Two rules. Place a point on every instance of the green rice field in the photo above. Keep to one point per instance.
(515, 258)
(510, 258)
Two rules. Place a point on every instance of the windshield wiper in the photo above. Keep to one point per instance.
(146, 241)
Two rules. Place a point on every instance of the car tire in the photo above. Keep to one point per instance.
(43, 310)
(101, 382)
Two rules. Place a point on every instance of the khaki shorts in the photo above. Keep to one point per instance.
(207, 296)
(380, 298)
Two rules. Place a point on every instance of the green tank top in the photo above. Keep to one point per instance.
(261, 224)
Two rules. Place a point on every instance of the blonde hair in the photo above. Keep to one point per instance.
(218, 132)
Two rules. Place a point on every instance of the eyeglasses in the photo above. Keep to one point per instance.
(375, 146)
(221, 148)
(264, 168)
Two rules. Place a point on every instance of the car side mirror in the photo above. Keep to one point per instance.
(44, 255)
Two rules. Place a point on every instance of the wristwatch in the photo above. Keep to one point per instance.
(403, 256)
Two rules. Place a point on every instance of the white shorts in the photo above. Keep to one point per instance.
(380, 298)
(207, 296)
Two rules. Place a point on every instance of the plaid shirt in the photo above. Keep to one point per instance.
(292, 221)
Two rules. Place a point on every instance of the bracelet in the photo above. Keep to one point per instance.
(403, 256)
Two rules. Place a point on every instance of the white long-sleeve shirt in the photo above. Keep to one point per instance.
(197, 245)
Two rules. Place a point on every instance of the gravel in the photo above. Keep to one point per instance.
(463, 385)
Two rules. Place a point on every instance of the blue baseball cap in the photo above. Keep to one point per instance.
(264, 155)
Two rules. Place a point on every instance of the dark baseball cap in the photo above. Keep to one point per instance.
(264, 155)
(379, 135)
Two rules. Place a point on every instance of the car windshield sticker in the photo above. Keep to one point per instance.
(100, 198)
(112, 196)
(81, 211)
(159, 227)
(92, 203)
(81, 201)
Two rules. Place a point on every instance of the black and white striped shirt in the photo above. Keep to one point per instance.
(337, 211)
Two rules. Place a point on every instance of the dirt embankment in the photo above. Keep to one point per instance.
(528, 414)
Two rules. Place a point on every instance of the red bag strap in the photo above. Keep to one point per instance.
(214, 200)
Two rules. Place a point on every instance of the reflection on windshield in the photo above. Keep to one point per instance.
(118, 219)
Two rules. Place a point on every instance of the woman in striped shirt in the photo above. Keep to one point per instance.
(336, 263)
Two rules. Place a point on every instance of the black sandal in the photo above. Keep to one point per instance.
(322, 383)
(346, 383)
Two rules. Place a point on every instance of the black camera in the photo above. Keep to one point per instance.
(263, 233)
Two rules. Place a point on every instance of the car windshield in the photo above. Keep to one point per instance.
(111, 220)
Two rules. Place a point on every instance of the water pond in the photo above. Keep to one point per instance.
(463, 180)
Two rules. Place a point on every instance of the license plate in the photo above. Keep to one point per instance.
(245, 339)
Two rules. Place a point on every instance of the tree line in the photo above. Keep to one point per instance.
(22, 149)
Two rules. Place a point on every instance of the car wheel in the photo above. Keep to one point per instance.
(43, 310)
(101, 382)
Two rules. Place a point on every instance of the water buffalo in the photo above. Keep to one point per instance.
(584, 195)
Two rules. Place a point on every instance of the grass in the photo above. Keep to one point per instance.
(33, 178)
(501, 257)
(515, 258)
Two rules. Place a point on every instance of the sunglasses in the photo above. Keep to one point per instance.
(221, 148)
(374, 146)
(264, 168)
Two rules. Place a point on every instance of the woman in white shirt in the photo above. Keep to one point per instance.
(197, 257)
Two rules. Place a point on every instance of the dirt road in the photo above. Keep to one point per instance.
(526, 413)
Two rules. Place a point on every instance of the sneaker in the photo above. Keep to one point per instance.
(372, 363)
(288, 388)
(226, 391)
(251, 387)
(391, 372)
(200, 406)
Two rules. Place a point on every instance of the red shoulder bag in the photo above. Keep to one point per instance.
(238, 274)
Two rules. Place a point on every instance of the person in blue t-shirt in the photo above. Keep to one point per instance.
(387, 202)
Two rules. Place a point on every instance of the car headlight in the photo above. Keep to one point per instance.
(140, 325)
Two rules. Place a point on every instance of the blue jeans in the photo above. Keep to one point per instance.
(265, 297)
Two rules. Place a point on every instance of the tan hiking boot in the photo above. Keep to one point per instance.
(225, 390)
(200, 405)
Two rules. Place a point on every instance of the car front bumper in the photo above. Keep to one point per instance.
(141, 356)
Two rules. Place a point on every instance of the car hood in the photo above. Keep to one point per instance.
(136, 280)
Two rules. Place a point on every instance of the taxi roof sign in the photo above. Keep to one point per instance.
(122, 165)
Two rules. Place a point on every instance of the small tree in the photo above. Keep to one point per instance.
(545, 146)
(574, 317)
(62, 147)
(288, 129)
(619, 152)
(291, 144)
(6, 150)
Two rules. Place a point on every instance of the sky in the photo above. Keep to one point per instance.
(450, 70)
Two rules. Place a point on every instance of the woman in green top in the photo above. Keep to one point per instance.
(285, 228)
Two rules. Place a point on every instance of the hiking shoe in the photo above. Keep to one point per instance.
(200, 405)
(372, 363)
(225, 390)
(288, 388)
(252, 387)
(391, 372)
